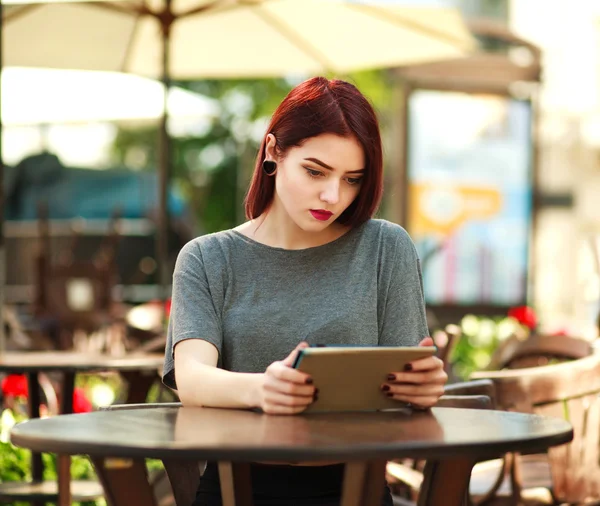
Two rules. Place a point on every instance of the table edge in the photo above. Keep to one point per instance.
(423, 450)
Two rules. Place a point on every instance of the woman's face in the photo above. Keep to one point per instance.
(317, 181)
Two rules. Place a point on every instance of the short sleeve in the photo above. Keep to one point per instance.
(403, 321)
(193, 313)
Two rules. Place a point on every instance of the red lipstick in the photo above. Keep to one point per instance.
(321, 214)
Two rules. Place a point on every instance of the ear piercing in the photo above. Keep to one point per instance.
(269, 166)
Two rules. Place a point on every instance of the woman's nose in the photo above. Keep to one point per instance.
(331, 194)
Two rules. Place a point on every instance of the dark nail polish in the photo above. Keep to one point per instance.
(385, 388)
(309, 381)
(408, 367)
(390, 394)
(316, 391)
(391, 377)
(315, 397)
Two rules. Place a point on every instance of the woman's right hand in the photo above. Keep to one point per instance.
(284, 390)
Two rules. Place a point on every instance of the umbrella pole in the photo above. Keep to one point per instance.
(164, 164)
(2, 243)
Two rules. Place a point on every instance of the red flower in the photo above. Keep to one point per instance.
(168, 307)
(81, 404)
(524, 315)
(15, 385)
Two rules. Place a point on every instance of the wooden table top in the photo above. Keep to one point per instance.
(36, 361)
(238, 435)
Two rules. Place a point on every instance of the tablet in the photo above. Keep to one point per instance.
(350, 378)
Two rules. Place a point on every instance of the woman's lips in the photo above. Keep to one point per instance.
(320, 214)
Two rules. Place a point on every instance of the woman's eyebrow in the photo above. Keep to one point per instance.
(329, 167)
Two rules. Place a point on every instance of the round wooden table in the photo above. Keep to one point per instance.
(452, 440)
(139, 370)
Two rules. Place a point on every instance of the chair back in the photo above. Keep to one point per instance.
(538, 350)
(465, 401)
(567, 390)
(74, 294)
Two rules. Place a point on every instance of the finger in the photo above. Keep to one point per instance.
(427, 341)
(284, 373)
(289, 360)
(417, 401)
(273, 398)
(436, 377)
(431, 390)
(274, 384)
(420, 365)
(427, 364)
(280, 409)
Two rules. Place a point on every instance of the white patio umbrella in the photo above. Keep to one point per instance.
(189, 39)
(229, 38)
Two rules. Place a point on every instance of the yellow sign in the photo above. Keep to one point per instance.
(442, 208)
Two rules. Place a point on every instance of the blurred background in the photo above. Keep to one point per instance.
(491, 162)
(490, 115)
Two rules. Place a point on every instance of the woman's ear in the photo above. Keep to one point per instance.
(271, 148)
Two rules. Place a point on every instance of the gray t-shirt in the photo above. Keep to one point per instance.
(255, 303)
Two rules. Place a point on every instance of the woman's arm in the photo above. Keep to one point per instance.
(201, 383)
(279, 390)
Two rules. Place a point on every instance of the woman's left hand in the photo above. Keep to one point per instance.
(421, 383)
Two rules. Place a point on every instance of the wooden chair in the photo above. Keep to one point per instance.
(534, 470)
(538, 350)
(566, 390)
(75, 295)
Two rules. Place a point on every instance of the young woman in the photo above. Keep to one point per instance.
(310, 266)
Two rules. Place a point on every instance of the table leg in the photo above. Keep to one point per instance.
(236, 485)
(125, 481)
(446, 482)
(64, 461)
(363, 483)
(33, 404)
(64, 480)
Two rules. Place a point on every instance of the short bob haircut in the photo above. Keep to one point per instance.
(319, 106)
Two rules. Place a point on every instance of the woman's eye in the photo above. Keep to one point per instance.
(313, 172)
(354, 180)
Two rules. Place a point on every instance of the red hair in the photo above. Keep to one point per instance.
(314, 107)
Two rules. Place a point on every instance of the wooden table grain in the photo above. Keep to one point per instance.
(451, 439)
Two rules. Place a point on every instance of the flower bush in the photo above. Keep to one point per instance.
(15, 385)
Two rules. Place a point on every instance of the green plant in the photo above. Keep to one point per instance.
(481, 335)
